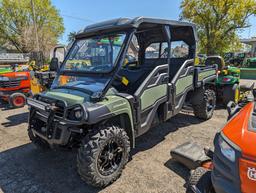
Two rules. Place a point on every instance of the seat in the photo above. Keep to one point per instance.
(135, 78)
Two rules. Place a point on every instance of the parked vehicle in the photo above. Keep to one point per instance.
(101, 100)
(14, 87)
(231, 167)
(227, 84)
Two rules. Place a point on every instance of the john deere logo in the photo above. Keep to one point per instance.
(251, 173)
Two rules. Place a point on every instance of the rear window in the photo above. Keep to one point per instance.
(152, 51)
(179, 49)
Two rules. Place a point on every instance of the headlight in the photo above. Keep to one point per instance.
(77, 114)
(226, 149)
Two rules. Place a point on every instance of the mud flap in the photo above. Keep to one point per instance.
(190, 155)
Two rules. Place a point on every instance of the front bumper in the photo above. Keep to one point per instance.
(47, 123)
(225, 174)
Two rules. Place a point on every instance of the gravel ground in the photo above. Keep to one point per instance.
(23, 168)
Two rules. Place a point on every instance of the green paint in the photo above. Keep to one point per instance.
(71, 99)
(183, 83)
(205, 74)
(248, 73)
(5, 70)
(117, 106)
(151, 95)
(230, 76)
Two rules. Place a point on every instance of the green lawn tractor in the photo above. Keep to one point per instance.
(5, 70)
(250, 62)
(235, 59)
(227, 83)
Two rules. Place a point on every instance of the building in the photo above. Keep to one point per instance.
(252, 43)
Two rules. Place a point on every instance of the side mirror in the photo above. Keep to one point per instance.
(54, 64)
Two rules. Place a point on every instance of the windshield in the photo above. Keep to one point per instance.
(96, 54)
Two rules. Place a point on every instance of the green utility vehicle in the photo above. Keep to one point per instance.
(227, 83)
(235, 58)
(250, 63)
(101, 100)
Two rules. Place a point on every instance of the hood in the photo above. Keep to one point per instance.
(71, 96)
(15, 74)
(226, 79)
(240, 130)
(251, 59)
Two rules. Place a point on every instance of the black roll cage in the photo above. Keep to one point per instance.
(130, 29)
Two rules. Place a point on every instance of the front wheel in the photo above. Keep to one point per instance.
(205, 104)
(103, 155)
(231, 93)
(17, 100)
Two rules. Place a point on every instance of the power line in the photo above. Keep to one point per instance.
(78, 18)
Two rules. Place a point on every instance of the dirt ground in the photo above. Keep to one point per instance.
(24, 168)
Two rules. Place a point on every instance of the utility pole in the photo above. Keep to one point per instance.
(35, 25)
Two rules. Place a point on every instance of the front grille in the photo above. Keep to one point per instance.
(59, 111)
(9, 84)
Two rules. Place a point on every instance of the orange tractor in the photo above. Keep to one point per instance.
(14, 87)
(17, 85)
(231, 167)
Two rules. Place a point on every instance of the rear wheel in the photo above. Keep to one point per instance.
(205, 105)
(103, 155)
(17, 100)
(200, 179)
(231, 93)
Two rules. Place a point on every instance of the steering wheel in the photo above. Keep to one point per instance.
(131, 65)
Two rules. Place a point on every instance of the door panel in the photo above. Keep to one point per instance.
(182, 82)
(151, 93)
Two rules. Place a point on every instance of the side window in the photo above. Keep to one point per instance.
(164, 50)
(179, 49)
(152, 51)
(133, 50)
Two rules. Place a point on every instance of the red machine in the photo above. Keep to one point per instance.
(15, 87)
(231, 167)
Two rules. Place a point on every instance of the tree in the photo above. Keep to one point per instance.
(218, 21)
(71, 36)
(17, 25)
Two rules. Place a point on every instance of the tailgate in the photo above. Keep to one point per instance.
(204, 74)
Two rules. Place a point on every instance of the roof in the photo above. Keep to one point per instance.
(250, 41)
(13, 58)
(123, 23)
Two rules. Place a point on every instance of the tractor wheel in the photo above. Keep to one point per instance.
(231, 93)
(103, 155)
(17, 100)
(205, 105)
(200, 179)
(37, 141)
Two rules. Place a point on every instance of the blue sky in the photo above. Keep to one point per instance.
(79, 13)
